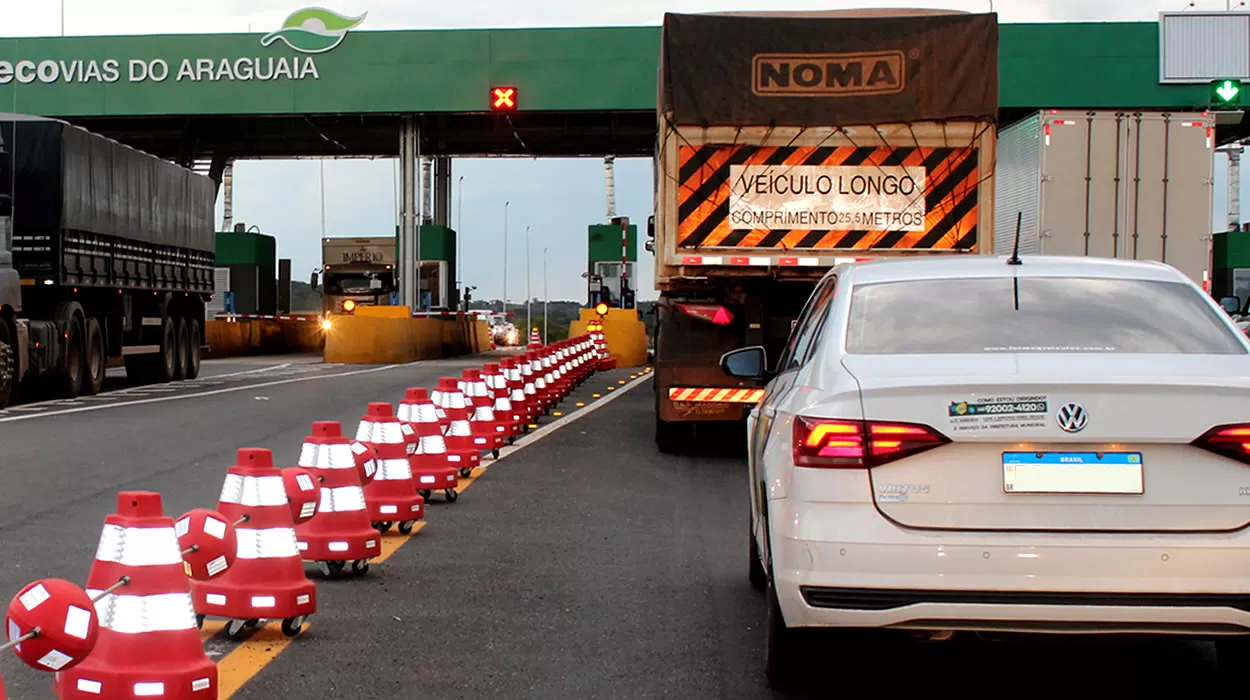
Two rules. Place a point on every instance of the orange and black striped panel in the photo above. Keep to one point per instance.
(952, 179)
(715, 395)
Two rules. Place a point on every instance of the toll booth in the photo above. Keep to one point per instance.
(1230, 275)
(603, 273)
(246, 273)
(435, 278)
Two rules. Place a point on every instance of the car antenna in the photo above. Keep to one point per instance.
(1015, 251)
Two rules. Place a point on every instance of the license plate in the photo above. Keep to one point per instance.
(1073, 472)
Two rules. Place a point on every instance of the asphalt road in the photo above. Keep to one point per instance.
(583, 565)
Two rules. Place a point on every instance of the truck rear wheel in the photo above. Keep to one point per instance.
(93, 375)
(165, 364)
(8, 363)
(68, 378)
(180, 351)
(194, 338)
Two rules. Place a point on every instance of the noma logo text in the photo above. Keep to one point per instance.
(816, 75)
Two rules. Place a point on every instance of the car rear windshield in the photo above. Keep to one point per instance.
(1040, 314)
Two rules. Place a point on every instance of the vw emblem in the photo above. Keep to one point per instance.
(1071, 417)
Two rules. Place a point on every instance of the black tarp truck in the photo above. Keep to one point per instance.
(789, 143)
(105, 252)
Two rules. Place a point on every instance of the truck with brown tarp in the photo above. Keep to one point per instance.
(793, 142)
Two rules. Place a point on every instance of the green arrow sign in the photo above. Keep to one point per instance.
(1226, 92)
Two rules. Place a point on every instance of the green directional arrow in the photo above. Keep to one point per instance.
(1227, 90)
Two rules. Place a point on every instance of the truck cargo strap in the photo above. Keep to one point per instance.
(768, 261)
(714, 395)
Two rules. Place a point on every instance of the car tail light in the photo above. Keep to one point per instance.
(857, 444)
(1229, 440)
(719, 315)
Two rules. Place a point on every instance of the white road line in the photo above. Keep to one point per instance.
(216, 392)
(567, 419)
(250, 371)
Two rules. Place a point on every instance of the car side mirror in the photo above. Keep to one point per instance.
(745, 363)
(1231, 305)
(313, 282)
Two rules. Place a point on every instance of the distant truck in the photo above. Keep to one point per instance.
(1119, 184)
(357, 272)
(790, 142)
(105, 253)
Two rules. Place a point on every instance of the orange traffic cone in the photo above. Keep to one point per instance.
(432, 466)
(483, 422)
(148, 644)
(267, 581)
(340, 531)
(458, 434)
(392, 496)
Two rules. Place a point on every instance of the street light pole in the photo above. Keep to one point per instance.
(503, 305)
(528, 295)
(546, 299)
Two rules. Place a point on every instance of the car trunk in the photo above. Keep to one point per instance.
(1129, 466)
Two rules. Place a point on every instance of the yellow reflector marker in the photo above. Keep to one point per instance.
(580, 404)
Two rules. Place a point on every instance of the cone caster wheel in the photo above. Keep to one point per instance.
(236, 630)
(382, 526)
(405, 528)
(465, 472)
(512, 440)
(292, 626)
(452, 495)
(199, 621)
(360, 567)
(330, 569)
(425, 494)
(495, 453)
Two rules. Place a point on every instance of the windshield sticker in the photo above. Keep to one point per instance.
(999, 413)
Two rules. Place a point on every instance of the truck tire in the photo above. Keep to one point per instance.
(8, 363)
(96, 361)
(180, 350)
(195, 337)
(68, 379)
(165, 364)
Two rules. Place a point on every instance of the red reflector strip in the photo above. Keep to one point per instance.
(714, 395)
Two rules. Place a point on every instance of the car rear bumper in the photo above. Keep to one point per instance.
(844, 565)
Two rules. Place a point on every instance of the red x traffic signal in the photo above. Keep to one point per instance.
(503, 99)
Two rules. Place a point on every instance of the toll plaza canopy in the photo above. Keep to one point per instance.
(322, 84)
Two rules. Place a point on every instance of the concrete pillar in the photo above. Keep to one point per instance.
(408, 212)
(427, 186)
(442, 191)
(227, 191)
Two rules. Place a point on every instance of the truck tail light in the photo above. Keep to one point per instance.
(719, 315)
(349, 305)
(1232, 441)
(858, 444)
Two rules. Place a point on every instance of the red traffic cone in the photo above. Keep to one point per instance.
(482, 421)
(148, 645)
(540, 381)
(392, 495)
(459, 435)
(432, 468)
(535, 341)
(533, 403)
(497, 385)
(516, 391)
(340, 532)
(267, 581)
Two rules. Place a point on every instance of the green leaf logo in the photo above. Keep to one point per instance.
(313, 30)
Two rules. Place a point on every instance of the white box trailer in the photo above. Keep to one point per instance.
(1131, 185)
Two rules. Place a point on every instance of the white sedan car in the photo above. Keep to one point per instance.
(966, 444)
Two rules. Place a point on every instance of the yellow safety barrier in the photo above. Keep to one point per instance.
(624, 333)
(259, 336)
(386, 337)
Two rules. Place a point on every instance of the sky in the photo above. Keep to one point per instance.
(557, 199)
